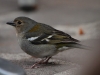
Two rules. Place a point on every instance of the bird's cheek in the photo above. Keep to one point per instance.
(18, 30)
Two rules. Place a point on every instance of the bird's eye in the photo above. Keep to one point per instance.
(19, 22)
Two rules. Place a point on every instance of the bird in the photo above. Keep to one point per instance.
(41, 40)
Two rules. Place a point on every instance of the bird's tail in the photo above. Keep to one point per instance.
(77, 45)
(81, 46)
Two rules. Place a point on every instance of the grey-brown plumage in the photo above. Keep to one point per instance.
(41, 40)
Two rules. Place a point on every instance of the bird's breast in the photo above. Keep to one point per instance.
(37, 50)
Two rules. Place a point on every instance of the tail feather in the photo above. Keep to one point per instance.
(77, 45)
(81, 46)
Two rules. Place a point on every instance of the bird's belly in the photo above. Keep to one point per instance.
(38, 50)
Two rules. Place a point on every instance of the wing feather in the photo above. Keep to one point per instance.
(56, 37)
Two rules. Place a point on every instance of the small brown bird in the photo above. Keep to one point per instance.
(41, 40)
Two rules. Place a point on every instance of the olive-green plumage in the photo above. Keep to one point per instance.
(41, 40)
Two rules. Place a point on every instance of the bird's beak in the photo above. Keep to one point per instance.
(11, 23)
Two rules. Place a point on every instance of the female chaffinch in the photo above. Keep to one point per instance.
(41, 40)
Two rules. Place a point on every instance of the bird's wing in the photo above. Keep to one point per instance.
(63, 37)
(56, 37)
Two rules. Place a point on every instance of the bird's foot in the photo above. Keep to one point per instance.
(35, 66)
(43, 61)
(32, 67)
(37, 63)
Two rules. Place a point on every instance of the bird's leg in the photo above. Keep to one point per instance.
(43, 61)
(46, 60)
(34, 65)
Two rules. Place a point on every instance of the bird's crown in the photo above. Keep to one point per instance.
(22, 24)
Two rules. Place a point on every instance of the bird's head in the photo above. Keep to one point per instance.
(22, 24)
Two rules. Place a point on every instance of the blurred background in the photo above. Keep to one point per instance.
(79, 18)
